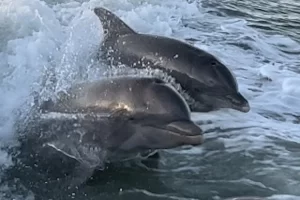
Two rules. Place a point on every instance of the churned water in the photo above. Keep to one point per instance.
(252, 154)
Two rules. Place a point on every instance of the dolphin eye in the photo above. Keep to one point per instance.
(213, 63)
(105, 32)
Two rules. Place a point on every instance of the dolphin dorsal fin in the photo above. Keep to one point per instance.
(112, 24)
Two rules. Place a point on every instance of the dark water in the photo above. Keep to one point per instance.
(253, 154)
(272, 17)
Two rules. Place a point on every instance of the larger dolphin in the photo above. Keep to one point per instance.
(204, 78)
(111, 120)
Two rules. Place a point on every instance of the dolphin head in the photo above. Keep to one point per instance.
(214, 86)
(160, 132)
(234, 101)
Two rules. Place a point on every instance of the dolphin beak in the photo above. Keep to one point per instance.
(238, 102)
(187, 130)
(164, 135)
(245, 108)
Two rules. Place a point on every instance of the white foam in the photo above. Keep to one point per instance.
(30, 42)
(290, 86)
(5, 160)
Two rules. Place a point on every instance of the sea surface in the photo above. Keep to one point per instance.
(245, 154)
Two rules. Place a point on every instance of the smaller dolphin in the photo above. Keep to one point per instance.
(207, 81)
(111, 120)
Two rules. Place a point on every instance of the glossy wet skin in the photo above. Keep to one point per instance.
(200, 74)
(146, 133)
(153, 116)
(133, 94)
(121, 136)
(88, 126)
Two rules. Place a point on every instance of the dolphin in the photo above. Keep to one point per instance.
(111, 120)
(209, 84)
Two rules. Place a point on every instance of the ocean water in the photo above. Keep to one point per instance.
(245, 154)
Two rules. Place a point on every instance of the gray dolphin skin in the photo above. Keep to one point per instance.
(248, 198)
(133, 94)
(111, 120)
(201, 75)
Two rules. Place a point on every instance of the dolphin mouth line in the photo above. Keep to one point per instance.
(185, 136)
(242, 108)
(191, 140)
(245, 108)
(228, 101)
